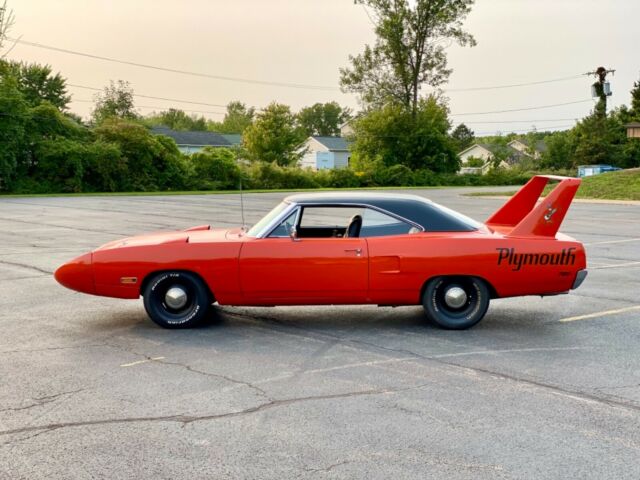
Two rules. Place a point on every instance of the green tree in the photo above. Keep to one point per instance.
(392, 135)
(600, 139)
(13, 129)
(635, 101)
(274, 136)
(237, 118)
(463, 137)
(116, 100)
(215, 169)
(153, 162)
(323, 119)
(177, 120)
(37, 83)
(409, 51)
(560, 152)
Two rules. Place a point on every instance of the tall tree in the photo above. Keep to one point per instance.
(392, 135)
(238, 117)
(13, 128)
(409, 51)
(323, 119)
(116, 100)
(37, 83)
(6, 22)
(463, 137)
(274, 136)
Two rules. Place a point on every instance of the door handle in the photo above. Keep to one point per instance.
(357, 250)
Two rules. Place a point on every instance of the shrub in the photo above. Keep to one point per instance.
(215, 169)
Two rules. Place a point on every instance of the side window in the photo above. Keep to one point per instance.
(328, 217)
(378, 224)
(284, 228)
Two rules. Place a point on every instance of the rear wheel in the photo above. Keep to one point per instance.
(455, 303)
(176, 299)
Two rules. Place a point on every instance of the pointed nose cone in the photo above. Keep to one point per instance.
(77, 274)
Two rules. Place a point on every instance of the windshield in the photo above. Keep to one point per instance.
(267, 219)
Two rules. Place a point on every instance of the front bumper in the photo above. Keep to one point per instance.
(580, 276)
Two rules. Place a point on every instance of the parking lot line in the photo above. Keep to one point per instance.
(615, 265)
(141, 361)
(600, 314)
(612, 241)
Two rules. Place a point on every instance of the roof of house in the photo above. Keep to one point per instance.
(336, 144)
(193, 138)
(633, 125)
(539, 146)
(233, 138)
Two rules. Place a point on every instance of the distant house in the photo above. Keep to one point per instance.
(483, 152)
(190, 142)
(536, 152)
(590, 170)
(514, 152)
(325, 153)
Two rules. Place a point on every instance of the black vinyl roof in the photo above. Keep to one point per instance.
(421, 211)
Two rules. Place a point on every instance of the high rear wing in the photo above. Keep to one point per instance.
(528, 218)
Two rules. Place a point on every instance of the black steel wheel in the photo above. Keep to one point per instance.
(456, 303)
(176, 299)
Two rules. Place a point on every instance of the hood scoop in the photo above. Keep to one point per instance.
(197, 228)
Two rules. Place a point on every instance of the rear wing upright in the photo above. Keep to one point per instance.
(522, 216)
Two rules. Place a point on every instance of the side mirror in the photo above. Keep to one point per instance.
(293, 234)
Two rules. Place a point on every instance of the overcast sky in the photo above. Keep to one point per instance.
(307, 41)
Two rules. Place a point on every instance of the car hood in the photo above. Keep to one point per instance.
(192, 235)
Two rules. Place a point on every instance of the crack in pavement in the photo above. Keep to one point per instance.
(575, 393)
(191, 369)
(40, 401)
(46, 349)
(25, 265)
(189, 419)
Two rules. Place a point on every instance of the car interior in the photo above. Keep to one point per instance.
(341, 222)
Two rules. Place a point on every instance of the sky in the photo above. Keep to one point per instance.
(305, 42)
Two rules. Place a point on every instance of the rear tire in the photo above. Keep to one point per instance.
(176, 299)
(455, 303)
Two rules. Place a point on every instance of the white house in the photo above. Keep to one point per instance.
(325, 153)
(479, 151)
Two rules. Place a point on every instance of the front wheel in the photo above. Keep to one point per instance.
(455, 303)
(176, 299)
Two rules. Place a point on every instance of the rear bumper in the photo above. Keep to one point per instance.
(580, 276)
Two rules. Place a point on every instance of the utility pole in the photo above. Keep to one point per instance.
(601, 89)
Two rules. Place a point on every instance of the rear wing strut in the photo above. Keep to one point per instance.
(522, 216)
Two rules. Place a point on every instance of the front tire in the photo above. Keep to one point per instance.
(176, 299)
(455, 303)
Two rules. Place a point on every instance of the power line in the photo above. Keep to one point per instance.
(95, 89)
(174, 70)
(513, 85)
(264, 82)
(523, 121)
(521, 109)
(158, 107)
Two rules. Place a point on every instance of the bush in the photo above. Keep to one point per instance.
(215, 169)
(271, 176)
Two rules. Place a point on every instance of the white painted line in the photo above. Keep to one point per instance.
(600, 314)
(615, 265)
(141, 361)
(612, 241)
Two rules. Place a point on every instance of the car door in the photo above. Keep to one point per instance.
(281, 270)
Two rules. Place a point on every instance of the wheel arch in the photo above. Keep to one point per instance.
(492, 291)
(150, 275)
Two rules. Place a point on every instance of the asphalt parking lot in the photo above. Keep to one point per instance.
(90, 388)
